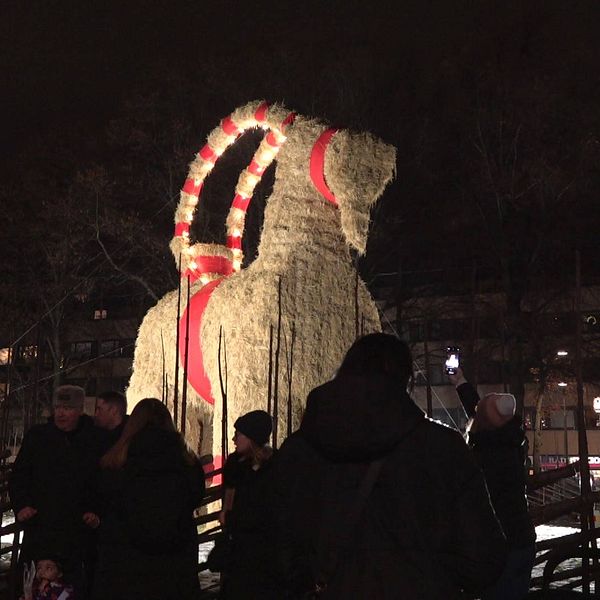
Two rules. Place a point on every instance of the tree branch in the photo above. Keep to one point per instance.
(132, 276)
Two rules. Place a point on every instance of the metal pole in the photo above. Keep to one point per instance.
(290, 372)
(586, 517)
(223, 385)
(427, 371)
(565, 427)
(176, 390)
(185, 362)
(270, 372)
(356, 315)
(276, 382)
(163, 396)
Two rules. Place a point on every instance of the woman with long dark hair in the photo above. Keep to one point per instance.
(150, 484)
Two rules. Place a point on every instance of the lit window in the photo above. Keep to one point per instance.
(27, 353)
(80, 350)
(4, 356)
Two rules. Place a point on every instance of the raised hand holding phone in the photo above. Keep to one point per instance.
(452, 359)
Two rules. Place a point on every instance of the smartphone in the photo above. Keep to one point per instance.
(452, 359)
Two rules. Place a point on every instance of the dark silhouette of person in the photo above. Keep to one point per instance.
(499, 444)
(150, 484)
(248, 512)
(52, 485)
(374, 500)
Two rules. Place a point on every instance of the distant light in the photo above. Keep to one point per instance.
(597, 404)
(562, 353)
(562, 384)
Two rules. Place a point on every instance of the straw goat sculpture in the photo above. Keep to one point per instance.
(326, 182)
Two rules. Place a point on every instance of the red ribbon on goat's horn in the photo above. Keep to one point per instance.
(317, 165)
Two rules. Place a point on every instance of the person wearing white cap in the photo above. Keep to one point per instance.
(498, 442)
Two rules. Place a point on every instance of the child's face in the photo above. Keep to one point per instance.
(47, 569)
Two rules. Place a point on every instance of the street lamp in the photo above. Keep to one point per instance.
(562, 353)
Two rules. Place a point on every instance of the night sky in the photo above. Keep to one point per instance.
(423, 75)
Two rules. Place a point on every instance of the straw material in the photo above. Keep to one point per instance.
(305, 244)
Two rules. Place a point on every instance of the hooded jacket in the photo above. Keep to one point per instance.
(427, 529)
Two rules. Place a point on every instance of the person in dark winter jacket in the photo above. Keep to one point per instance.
(248, 511)
(497, 439)
(373, 499)
(52, 485)
(110, 416)
(150, 485)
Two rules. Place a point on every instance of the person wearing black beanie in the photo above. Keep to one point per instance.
(248, 511)
(256, 425)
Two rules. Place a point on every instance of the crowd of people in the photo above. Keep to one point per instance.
(368, 499)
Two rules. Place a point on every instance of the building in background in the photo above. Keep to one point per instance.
(97, 344)
(430, 321)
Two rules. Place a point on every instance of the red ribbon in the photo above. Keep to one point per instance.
(288, 120)
(272, 140)
(211, 264)
(196, 374)
(215, 465)
(261, 112)
(229, 127)
(256, 169)
(241, 202)
(190, 187)
(180, 228)
(207, 153)
(317, 165)
(234, 241)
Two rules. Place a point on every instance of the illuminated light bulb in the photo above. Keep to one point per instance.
(268, 154)
(193, 265)
(204, 279)
(562, 384)
(237, 265)
(189, 216)
(185, 234)
(235, 232)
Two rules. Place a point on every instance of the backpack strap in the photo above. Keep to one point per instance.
(329, 562)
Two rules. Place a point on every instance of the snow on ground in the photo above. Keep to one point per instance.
(548, 532)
